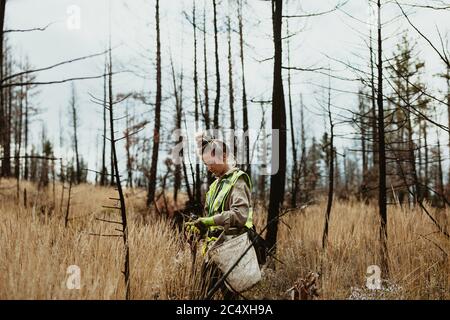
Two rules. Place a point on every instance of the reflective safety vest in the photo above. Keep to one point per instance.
(217, 196)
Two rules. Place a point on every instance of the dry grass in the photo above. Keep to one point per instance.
(36, 250)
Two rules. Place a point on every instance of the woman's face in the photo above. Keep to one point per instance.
(214, 163)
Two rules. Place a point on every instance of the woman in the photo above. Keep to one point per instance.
(227, 207)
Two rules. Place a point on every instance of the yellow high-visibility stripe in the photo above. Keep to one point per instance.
(217, 198)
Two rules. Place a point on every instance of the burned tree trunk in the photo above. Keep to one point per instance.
(6, 104)
(128, 145)
(3, 124)
(74, 116)
(103, 171)
(216, 54)
(277, 179)
(197, 184)
(382, 153)
(373, 99)
(244, 92)
(230, 78)
(294, 176)
(330, 173)
(205, 64)
(157, 127)
(115, 175)
(178, 114)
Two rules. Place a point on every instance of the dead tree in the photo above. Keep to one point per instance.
(205, 110)
(294, 175)
(373, 100)
(382, 153)
(69, 198)
(197, 184)
(277, 179)
(3, 124)
(128, 146)
(244, 91)
(216, 55)
(230, 80)
(331, 161)
(103, 170)
(18, 130)
(177, 92)
(74, 119)
(115, 176)
(6, 112)
(157, 127)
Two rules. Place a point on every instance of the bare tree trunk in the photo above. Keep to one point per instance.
(197, 184)
(294, 179)
(230, 76)
(206, 115)
(103, 171)
(205, 63)
(157, 128)
(7, 106)
(448, 116)
(440, 175)
(411, 147)
(178, 115)
(382, 156)
(303, 170)
(426, 167)
(26, 170)
(115, 173)
(18, 132)
(277, 179)
(244, 92)
(362, 117)
(330, 173)
(216, 54)
(373, 99)
(128, 144)
(69, 198)
(3, 125)
(75, 133)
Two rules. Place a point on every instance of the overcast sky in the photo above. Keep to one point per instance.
(336, 35)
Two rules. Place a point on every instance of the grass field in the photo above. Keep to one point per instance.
(37, 248)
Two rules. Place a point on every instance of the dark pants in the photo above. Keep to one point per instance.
(211, 274)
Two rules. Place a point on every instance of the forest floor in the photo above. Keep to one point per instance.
(37, 249)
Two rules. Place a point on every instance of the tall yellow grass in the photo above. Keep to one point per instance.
(36, 249)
